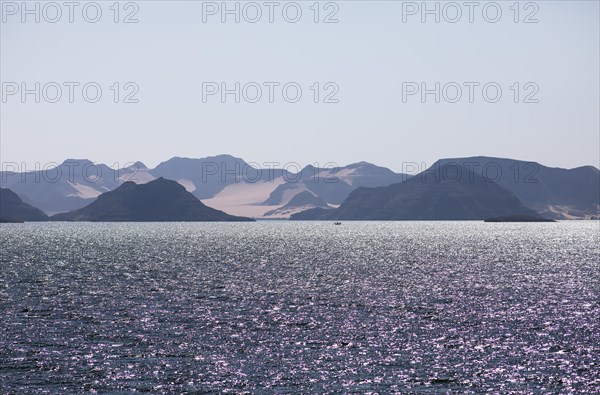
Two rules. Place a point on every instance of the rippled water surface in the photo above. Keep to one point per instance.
(286, 307)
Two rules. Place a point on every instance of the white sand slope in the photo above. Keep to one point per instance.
(85, 191)
(245, 199)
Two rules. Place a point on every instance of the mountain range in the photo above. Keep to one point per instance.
(223, 182)
(456, 188)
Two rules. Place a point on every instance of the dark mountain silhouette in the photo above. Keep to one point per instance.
(14, 209)
(519, 218)
(316, 213)
(159, 200)
(553, 192)
(457, 195)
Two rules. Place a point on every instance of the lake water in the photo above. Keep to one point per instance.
(289, 307)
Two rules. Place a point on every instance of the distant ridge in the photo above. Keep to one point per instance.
(160, 200)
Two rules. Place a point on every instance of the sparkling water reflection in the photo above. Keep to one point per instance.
(300, 307)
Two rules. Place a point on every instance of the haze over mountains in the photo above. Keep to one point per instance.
(487, 187)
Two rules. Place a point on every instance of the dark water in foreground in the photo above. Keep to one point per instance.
(411, 307)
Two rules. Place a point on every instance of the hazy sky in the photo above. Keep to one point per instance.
(369, 53)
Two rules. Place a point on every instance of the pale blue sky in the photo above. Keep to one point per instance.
(369, 54)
